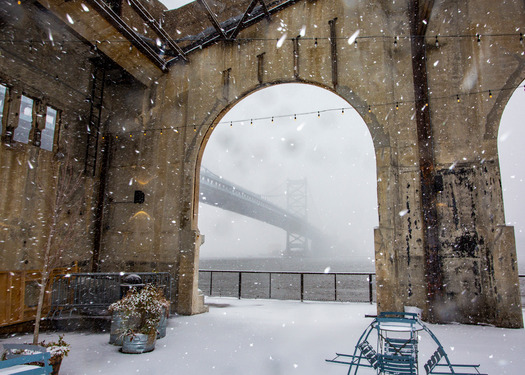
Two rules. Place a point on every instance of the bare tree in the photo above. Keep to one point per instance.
(63, 224)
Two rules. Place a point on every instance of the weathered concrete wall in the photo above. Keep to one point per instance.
(52, 74)
(158, 131)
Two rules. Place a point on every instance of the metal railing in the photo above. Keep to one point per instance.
(92, 293)
(313, 286)
(522, 289)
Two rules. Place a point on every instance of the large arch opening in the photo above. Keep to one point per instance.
(281, 134)
(511, 135)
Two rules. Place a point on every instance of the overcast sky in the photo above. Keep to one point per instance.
(174, 4)
(334, 152)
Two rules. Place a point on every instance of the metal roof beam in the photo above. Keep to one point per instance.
(117, 22)
(236, 31)
(212, 18)
(161, 33)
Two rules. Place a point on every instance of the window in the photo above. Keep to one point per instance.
(48, 133)
(25, 120)
(3, 91)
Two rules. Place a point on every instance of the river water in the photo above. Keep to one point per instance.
(261, 278)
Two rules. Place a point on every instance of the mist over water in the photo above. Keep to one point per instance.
(332, 264)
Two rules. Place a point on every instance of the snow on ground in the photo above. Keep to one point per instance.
(277, 337)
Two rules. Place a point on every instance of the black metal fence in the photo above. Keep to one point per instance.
(313, 286)
(92, 293)
(522, 290)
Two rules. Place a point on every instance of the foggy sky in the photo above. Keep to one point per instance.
(333, 152)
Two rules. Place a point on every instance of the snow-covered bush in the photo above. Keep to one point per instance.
(142, 309)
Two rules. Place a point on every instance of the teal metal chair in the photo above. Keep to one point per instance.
(394, 349)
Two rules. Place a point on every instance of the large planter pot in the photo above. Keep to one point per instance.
(163, 323)
(55, 362)
(138, 343)
(117, 328)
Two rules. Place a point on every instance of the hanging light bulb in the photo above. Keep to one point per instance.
(251, 122)
(194, 128)
(315, 43)
(318, 114)
(490, 94)
(144, 133)
(231, 124)
(479, 38)
(395, 41)
(521, 37)
(160, 131)
(397, 105)
(131, 135)
(272, 119)
(295, 116)
(369, 109)
(116, 137)
(437, 42)
(355, 44)
(457, 98)
(342, 111)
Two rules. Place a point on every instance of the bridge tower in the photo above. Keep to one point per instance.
(296, 244)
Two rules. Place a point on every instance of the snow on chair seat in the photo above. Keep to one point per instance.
(20, 359)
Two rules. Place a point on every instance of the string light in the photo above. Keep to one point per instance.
(521, 37)
(355, 44)
(395, 41)
(479, 38)
(437, 41)
(342, 109)
(318, 114)
(315, 43)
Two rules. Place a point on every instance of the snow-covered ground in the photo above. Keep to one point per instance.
(277, 337)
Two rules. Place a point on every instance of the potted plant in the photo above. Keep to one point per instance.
(140, 313)
(58, 349)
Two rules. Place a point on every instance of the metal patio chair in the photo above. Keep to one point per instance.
(396, 349)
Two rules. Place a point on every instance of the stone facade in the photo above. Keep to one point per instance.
(157, 125)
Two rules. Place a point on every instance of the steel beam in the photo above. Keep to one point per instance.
(161, 33)
(212, 18)
(114, 19)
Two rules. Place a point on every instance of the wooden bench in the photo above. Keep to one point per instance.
(20, 363)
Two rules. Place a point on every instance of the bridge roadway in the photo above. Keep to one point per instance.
(218, 192)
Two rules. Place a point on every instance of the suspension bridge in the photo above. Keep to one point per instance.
(219, 192)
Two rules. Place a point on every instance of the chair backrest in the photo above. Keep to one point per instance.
(397, 365)
(19, 354)
(17, 350)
